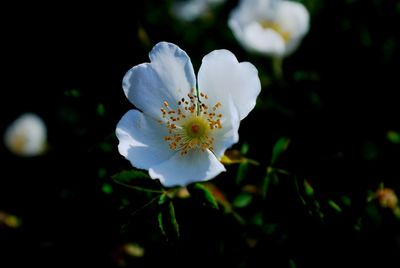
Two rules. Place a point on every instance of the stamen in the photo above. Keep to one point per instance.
(190, 126)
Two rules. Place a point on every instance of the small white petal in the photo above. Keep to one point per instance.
(26, 136)
(266, 41)
(221, 76)
(293, 17)
(141, 140)
(168, 77)
(189, 10)
(182, 170)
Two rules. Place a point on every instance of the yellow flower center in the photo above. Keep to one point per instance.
(196, 127)
(275, 27)
(190, 126)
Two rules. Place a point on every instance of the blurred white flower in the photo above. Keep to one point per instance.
(26, 136)
(192, 9)
(181, 132)
(270, 27)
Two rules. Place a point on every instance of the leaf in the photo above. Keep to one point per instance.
(334, 205)
(107, 188)
(72, 93)
(242, 172)
(205, 194)
(166, 217)
(244, 149)
(292, 264)
(393, 137)
(137, 180)
(100, 109)
(271, 176)
(127, 176)
(280, 147)
(242, 200)
(309, 190)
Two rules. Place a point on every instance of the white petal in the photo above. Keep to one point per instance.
(250, 12)
(189, 10)
(228, 135)
(221, 76)
(182, 170)
(293, 17)
(168, 77)
(265, 41)
(26, 136)
(141, 140)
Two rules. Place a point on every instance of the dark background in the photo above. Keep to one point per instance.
(337, 102)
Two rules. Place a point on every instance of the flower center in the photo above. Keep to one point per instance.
(196, 127)
(191, 125)
(266, 24)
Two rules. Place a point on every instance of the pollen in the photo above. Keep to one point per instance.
(191, 125)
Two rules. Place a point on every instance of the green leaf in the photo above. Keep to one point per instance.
(101, 173)
(242, 200)
(100, 109)
(137, 180)
(166, 217)
(334, 205)
(106, 147)
(393, 137)
(346, 200)
(72, 93)
(205, 194)
(270, 177)
(257, 219)
(292, 264)
(280, 147)
(309, 190)
(244, 149)
(127, 176)
(107, 188)
(242, 172)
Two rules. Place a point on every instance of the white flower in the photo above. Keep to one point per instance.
(269, 27)
(180, 133)
(26, 136)
(192, 9)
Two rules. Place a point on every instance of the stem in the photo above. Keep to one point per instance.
(198, 101)
(277, 63)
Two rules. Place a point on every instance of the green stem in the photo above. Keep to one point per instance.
(198, 101)
(277, 63)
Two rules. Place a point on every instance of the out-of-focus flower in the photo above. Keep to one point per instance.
(26, 136)
(192, 9)
(181, 132)
(270, 27)
(387, 198)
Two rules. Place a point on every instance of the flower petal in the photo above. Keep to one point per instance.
(168, 77)
(141, 140)
(182, 170)
(26, 136)
(266, 41)
(221, 77)
(293, 18)
(228, 135)
(189, 10)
